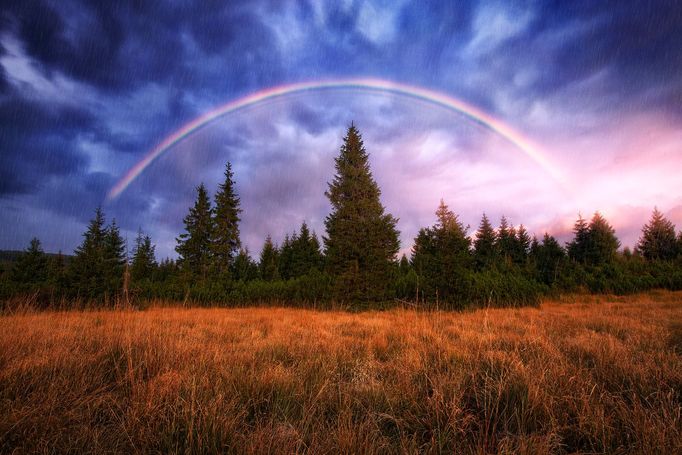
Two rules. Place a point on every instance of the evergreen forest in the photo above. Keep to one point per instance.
(354, 264)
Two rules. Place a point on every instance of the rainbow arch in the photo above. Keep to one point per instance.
(524, 144)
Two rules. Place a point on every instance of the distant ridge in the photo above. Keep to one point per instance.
(12, 256)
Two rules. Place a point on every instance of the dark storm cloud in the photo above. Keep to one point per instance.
(640, 36)
(38, 144)
(4, 85)
(315, 119)
(217, 24)
(438, 25)
(89, 87)
(122, 45)
(109, 45)
(639, 42)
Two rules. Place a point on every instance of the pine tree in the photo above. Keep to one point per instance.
(362, 241)
(243, 268)
(506, 241)
(485, 247)
(144, 260)
(57, 273)
(305, 253)
(424, 252)
(603, 243)
(442, 257)
(87, 270)
(286, 257)
(454, 255)
(31, 268)
(658, 241)
(404, 265)
(194, 245)
(167, 270)
(578, 247)
(315, 253)
(114, 259)
(269, 257)
(523, 242)
(406, 280)
(300, 254)
(549, 259)
(225, 242)
(533, 249)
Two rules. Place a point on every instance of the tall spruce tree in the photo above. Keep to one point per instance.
(167, 270)
(549, 260)
(485, 247)
(286, 257)
(506, 241)
(243, 267)
(225, 242)
(316, 257)
(404, 266)
(454, 255)
(533, 249)
(86, 270)
(442, 258)
(269, 258)
(144, 260)
(114, 259)
(194, 245)
(424, 252)
(32, 266)
(305, 252)
(603, 243)
(658, 240)
(362, 241)
(578, 247)
(57, 273)
(523, 242)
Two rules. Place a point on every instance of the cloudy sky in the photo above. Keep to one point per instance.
(89, 88)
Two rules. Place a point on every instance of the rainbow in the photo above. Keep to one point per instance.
(524, 144)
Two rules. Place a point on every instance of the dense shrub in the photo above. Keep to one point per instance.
(505, 289)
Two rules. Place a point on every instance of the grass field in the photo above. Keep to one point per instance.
(596, 375)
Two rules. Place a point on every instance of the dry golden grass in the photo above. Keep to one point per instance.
(597, 377)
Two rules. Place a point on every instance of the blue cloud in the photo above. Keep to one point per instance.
(87, 88)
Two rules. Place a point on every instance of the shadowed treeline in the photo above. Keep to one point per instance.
(355, 264)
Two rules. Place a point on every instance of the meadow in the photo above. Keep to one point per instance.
(589, 374)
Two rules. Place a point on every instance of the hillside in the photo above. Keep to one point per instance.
(10, 256)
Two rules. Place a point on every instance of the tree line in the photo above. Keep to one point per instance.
(355, 263)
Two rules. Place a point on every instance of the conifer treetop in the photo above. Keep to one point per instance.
(226, 241)
(361, 241)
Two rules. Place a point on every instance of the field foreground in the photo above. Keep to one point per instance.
(603, 376)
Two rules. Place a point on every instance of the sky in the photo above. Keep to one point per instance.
(87, 89)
